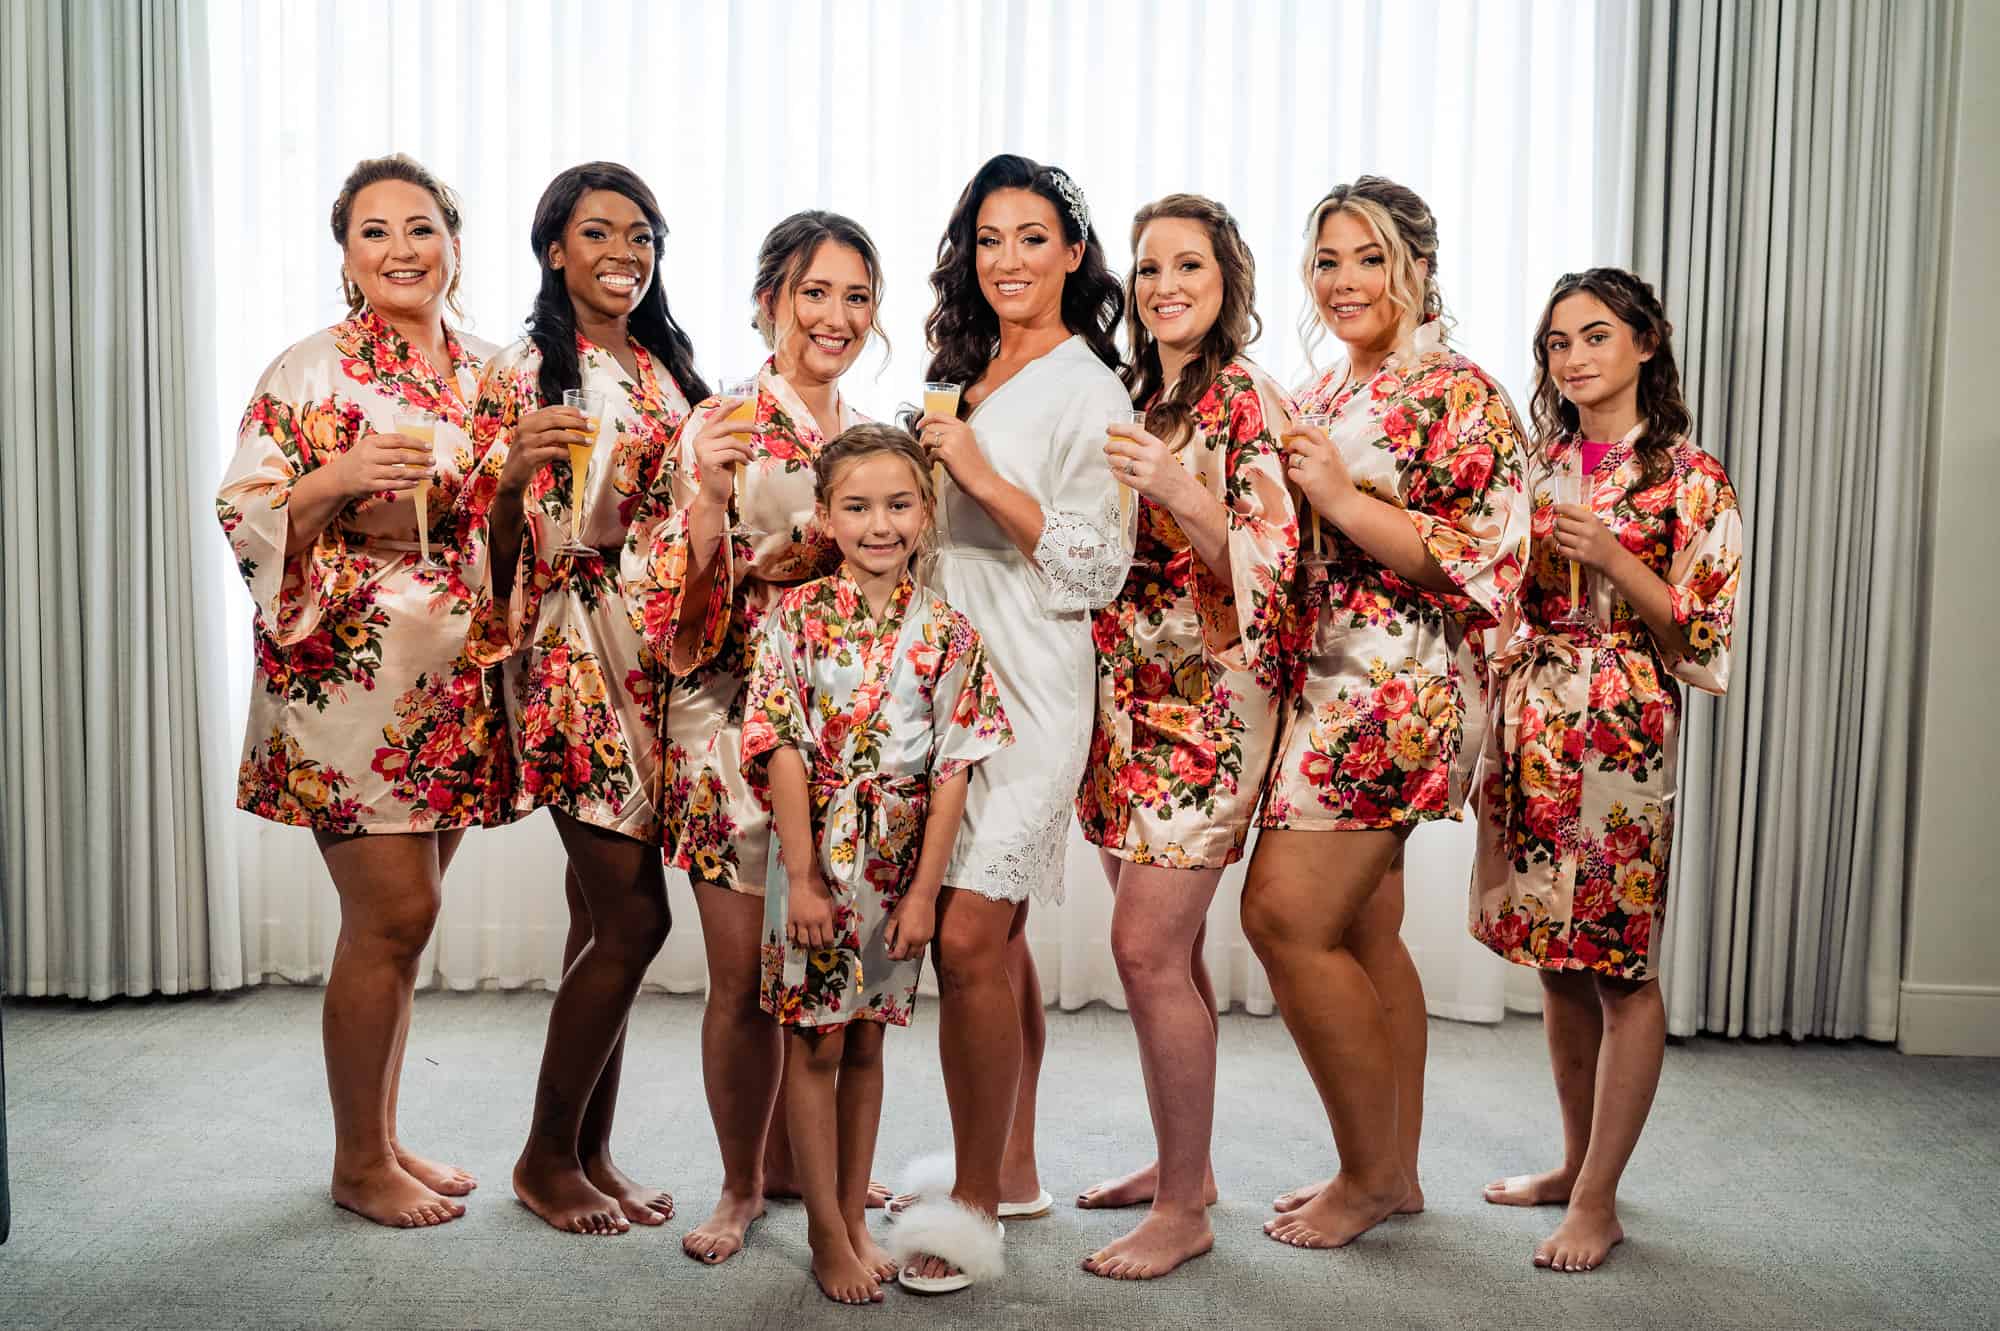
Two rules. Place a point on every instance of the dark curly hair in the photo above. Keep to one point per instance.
(552, 322)
(963, 331)
(1661, 406)
(1236, 323)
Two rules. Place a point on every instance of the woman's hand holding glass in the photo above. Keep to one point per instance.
(540, 437)
(1313, 463)
(722, 445)
(949, 441)
(376, 463)
(1144, 463)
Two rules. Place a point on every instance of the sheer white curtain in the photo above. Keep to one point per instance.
(882, 110)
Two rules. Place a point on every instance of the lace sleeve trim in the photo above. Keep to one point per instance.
(1082, 558)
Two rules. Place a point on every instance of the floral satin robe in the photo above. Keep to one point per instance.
(717, 827)
(1189, 666)
(582, 685)
(1576, 796)
(366, 713)
(1384, 691)
(881, 712)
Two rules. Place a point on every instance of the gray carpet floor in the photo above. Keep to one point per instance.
(169, 1164)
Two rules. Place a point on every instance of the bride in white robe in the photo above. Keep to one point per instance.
(1032, 543)
(1042, 431)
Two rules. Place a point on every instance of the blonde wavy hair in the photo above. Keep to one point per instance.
(1403, 224)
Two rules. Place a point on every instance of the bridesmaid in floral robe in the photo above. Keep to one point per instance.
(728, 528)
(581, 684)
(368, 722)
(1416, 488)
(1189, 673)
(1576, 804)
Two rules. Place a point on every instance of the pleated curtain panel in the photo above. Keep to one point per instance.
(1774, 167)
(104, 487)
(1790, 203)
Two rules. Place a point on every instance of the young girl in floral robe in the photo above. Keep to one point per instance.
(869, 700)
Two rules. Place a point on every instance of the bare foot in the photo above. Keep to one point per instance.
(1531, 1189)
(1135, 1189)
(445, 1180)
(561, 1195)
(878, 1195)
(720, 1237)
(642, 1205)
(1162, 1242)
(870, 1253)
(1412, 1204)
(841, 1275)
(391, 1196)
(1582, 1241)
(779, 1187)
(1341, 1213)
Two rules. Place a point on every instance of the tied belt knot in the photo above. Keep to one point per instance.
(851, 809)
(1515, 667)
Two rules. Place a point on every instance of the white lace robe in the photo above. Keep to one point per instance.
(1043, 430)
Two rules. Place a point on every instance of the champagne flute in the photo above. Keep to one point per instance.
(940, 399)
(745, 411)
(591, 404)
(1127, 496)
(1569, 488)
(421, 429)
(1323, 422)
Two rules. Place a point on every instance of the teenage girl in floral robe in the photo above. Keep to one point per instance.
(1576, 800)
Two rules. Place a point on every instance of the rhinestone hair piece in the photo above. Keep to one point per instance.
(1073, 196)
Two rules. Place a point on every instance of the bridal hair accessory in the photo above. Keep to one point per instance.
(1073, 196)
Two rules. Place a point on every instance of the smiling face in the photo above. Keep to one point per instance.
(399, 251)
(875, 512)
(606, 255)
(1350, 284)
(1594, 356)
(1020, 256)
(1177, 284)
(831, 312)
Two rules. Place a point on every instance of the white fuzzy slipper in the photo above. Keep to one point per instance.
(962, 1236)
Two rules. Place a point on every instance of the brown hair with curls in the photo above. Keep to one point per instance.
(407, 169)
(962, 330)
(1661, 407)
(1404, 224)
(1236, 323)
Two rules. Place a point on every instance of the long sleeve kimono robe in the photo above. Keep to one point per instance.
(366, 713)
(882, 713)
(1190, 666)
(1375, 732)
(1043, 431)
(1576, 797)
(582, 685)
(717, 827)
